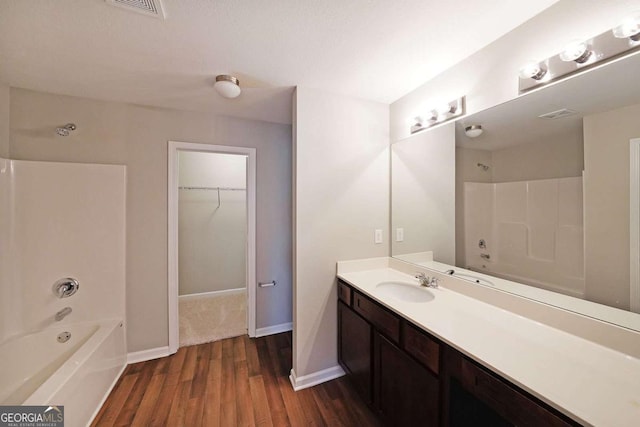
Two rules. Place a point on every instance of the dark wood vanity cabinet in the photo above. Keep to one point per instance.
(399, 387)
(411, 379)
(406, 393)
(354, 349)
(475, 396)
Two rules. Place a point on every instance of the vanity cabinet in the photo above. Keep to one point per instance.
(354, 349)
(409, 378)
(402, 387)
(475, 396)
(406, 393)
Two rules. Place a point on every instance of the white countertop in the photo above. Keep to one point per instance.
(592, 384)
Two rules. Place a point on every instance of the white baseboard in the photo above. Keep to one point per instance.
(275, 329)
(315, 378)
(144, 355)
(212, 294)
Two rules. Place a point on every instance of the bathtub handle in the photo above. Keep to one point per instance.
(66, 287)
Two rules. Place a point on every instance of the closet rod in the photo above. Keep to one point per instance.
(213, 188)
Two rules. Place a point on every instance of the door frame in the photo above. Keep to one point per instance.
(174, 147)
(634, 225)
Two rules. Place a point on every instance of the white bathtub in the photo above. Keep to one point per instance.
(36, 369)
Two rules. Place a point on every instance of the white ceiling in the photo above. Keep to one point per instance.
(372, 49)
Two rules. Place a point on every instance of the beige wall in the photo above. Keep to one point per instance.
(4, 120)
(5, 280)
(137, 137)
(341, 196)
(559, 157)
(423, 194)
(490, 76)
(61, 210)
(606, 152)
(212, 232)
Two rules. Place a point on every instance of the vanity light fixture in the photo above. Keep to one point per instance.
(533, 70)
(227, 86)
(440, 114)
(473, 131)
(629, 28)
(576, 51)
(581, 55)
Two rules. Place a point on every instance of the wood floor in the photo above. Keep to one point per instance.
(233, 382)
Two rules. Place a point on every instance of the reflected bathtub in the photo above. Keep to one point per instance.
(36, 369)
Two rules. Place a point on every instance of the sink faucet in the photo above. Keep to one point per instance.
(426, 281)
(63, 313)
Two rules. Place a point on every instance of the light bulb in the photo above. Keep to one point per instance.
(533, 70)
(629, 28)
(576, 51)
(444, 109)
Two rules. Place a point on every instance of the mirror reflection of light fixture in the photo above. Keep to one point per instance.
(533, 70)
(629, 28)
(576, 51)
(227, 86)
(473, 131)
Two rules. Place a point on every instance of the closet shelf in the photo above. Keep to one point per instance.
(213, 188)
(217, 189)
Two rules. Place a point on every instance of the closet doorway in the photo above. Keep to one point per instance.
(211, 209)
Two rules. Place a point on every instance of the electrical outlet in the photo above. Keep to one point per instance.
(399, 234)
(377, 237)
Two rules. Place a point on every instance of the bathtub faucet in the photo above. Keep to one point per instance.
(66, 287)
(63, 313)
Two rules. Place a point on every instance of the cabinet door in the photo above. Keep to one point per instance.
(354, 349)
(407, 394)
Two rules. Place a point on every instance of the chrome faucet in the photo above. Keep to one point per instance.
(63, 313)
(66, 287)
(426, 281)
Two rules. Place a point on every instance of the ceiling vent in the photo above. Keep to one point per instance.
(558, 114)
(145, 7)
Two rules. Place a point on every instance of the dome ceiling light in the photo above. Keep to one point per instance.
(227, 86)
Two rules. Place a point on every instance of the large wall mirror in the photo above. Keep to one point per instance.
(541, 204)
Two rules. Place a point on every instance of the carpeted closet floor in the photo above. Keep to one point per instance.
(211, 318)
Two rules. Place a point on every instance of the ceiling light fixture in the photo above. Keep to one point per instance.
(473, 131)
(227, 86)
(577, 51)
(629, 28)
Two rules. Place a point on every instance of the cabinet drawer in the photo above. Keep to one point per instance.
(380, 318)
(507, 401)
(344, 293)
(421, 346)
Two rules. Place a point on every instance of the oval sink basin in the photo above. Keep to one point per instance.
(406, 292)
